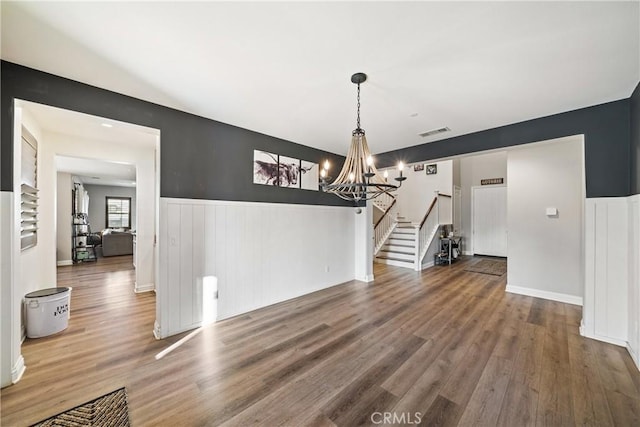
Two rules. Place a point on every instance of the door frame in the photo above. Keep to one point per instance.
(12, 336)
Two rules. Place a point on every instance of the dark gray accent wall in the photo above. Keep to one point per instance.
(206, 159)
(200, 158)
(635, 140)
(606, 130)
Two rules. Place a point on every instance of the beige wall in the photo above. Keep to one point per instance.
(418, 190)
(63, 218)
(545, 252)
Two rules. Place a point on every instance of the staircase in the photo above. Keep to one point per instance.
(405, 244)
(401, 246)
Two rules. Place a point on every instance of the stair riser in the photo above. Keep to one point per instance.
(398, 248)
(393, 241)
(403, 235)
(407, 230)
(393, 262)
(397, 255)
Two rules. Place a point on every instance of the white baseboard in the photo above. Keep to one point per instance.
(553, 296)
(634, 356)
(427, 265)
(156, 331)
(64, 262)
(366, 278)
(17, 370)
(144, 288)
(470, 253)
(614, 341)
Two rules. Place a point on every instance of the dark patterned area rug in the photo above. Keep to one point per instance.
(495, 267)
(109, 410)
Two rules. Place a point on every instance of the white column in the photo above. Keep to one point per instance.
(604, 313)
(364, 243)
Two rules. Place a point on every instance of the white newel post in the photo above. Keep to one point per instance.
(364, 243)
(418, 248)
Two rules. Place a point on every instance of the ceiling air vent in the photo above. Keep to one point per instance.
(434, 132)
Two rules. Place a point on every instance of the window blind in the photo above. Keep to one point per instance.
(28, 191)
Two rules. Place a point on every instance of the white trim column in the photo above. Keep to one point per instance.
(364, 243)
(605, 310)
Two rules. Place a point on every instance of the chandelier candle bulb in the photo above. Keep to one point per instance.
(386, 175)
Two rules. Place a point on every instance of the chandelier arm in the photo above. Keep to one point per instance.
(358, 196)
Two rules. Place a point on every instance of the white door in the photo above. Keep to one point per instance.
(489, 220)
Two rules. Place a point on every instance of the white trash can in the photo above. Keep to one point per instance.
(47, 311)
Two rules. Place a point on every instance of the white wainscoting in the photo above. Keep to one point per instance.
(605, 311)
(634, 279)
(258, 254)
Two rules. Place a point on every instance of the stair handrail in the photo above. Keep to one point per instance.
(425, 233)
(385, 213)
(383, 227)
(431, 206)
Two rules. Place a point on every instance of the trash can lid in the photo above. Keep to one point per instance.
(46, 292)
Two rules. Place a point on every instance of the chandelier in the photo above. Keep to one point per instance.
(359, 179)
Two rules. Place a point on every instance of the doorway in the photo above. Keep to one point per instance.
(67, 133)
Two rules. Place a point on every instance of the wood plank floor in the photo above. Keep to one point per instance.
(442, 347)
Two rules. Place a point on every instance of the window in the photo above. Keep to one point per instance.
(118, 213)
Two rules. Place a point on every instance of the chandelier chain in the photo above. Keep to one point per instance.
(358, 119)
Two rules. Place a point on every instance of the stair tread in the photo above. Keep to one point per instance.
(395, 259)
(397, 252)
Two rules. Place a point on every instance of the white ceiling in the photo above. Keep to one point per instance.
(284, 69)
(98, 172)
(93, 130)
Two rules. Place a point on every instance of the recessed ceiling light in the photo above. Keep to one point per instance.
(107, 125)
